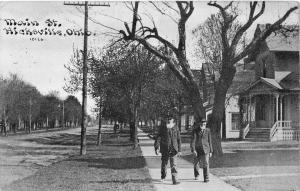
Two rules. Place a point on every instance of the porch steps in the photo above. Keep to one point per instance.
(259, 134)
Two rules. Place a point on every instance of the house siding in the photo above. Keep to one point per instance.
(231, 108)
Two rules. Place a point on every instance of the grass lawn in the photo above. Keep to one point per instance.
(111, 166)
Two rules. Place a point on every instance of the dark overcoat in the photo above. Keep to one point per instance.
(201, 141)
(166, 138)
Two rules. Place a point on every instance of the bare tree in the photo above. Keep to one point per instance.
(177, 60)
(208, 43)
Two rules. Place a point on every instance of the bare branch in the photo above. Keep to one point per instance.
(191, 9)
(131, 34)
(134, 19)
(126, 4)
(167, 4)
(162, 40)
(185, 12)
(227, 20)
(162, 12)
(127, 27)
(250, 21)
(150, 18)
(114, 35)
(229, 5)
(215, 4)
(263, 35)
(162, 56)
(179, 4)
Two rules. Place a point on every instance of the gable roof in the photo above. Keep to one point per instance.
(280, 75)
(272, 82)
(267, 81)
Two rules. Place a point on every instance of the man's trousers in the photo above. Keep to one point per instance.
(164, 162)
(204, 160)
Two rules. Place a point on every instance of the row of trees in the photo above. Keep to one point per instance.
(24, 108)
(129, 85)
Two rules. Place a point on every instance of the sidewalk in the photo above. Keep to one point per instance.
(186, 176)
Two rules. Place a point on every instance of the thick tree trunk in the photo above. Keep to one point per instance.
(204, 85)
(241, 118)
(195, 101)
(214, 122)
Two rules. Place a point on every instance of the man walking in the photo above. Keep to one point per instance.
(201, 147)
(168, 142)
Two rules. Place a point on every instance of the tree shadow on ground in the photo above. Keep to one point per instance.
(111, 157)
(66, 139)
(125, 181)
(248, 158)
(61, 139)
(112, 163)
(34, 151)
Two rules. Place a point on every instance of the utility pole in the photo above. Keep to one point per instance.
(30, 103)
(84, 75)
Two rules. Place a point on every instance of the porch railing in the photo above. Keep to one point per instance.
(277, 125)
(284, 124)
(245, 131)
(274, 129)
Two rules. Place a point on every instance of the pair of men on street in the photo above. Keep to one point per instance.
(168, 142)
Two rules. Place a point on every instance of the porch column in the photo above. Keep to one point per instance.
(250, 108)
(247, 113)
(281, 99)
(277, 99)
(247, 109)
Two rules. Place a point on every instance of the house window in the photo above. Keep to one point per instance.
(235, 121)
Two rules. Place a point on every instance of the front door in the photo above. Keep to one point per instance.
(262, 110)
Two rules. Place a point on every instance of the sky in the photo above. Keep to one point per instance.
(41, 63)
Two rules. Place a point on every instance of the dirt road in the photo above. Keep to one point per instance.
(22, 156)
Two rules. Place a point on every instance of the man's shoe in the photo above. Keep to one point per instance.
(162, 180)
(206, 180)
(176, 183)
(196, 177)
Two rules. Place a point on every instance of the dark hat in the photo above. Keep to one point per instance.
(203, 120)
